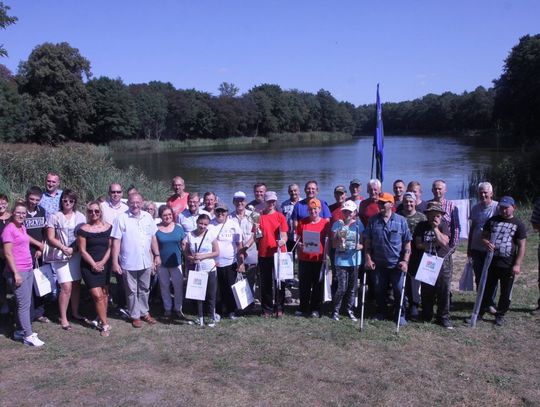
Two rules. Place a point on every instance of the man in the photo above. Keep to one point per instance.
(416, 188)
(274, 237)
(35, 227)
(301, 209)
(210, 200)
(413, 218)
(399, 190)
(335, 209)
(258, 204)
(249, 249)
(113, 206)
(134, 256)
(451, 216)
(178, 201)
(535, 220)
(230, 259)
(388, 250)
(50, 201)
(433, 237)
(287, 210)
(370, 207)
(354, 188)
(480, 213)
(188, 217)
(505, 236)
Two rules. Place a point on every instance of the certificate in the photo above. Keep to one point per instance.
(312, 241)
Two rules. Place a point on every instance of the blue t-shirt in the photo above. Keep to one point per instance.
(300, 210)
(349, 257)
(169, 246)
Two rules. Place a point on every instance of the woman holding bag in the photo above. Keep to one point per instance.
(64, 256)
(16, 242)
(201, 250)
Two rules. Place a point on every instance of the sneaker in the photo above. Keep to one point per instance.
(148, 319)
(315, 314)
(232, 316)
(335, 316)
(402, 321)
(499, 320)
(123, 313)
(492, 310)
(414, 315)
(96, 323)
(446, 323)
(33, 340)
(298, 314)
(18, 335)
(217, 317)
(351, 316)
(211, 323)
(136, 323)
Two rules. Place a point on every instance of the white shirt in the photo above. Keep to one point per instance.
(110, 212)
(198, 245)
(246, 225)
(188, 220)
(135, 235)
(228, 235)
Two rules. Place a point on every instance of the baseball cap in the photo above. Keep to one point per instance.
(314, 203)
(386, 197)
(270, 196)
(435, 207)
(355, 181)
(340, 188)
(221, 206)
(239, 195)
(349, 206)
(507, 201)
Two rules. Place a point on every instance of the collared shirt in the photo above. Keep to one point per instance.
(451, 217)
(135, 235)
(110, 212)
(387, 239)
(246, 225)
(51, 203)
(287, 210)
(188, 220)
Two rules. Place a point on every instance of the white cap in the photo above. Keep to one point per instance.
(239, 195)
(348, 206)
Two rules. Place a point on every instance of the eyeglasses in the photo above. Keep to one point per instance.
(115, 192)
(96, 211)
(19, 213)
(68, 200)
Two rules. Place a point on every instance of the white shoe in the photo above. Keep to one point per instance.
(33, 340)
(18, 335)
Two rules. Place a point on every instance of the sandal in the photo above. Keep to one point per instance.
(43, 319)
(105, 330)
(67, 327)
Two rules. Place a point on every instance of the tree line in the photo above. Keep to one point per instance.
(54, 98)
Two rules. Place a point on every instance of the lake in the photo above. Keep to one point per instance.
(226, 170)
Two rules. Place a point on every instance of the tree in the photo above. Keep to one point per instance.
(190, 115)
(517, 91)
(227, 89)
(57, 100)
(152, 101)
(11, 111)
(115, 115)
(5, 21)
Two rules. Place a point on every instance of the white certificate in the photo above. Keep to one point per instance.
(312, 241)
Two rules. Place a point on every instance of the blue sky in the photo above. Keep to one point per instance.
(411, 47)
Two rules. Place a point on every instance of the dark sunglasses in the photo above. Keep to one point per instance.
(68, 200)
(115, 192)
(97, 211)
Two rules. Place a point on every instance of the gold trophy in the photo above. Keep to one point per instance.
(255, 218)
(342, 232)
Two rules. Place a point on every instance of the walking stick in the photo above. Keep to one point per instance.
(363, 300)
(481, 288)
(401, 301)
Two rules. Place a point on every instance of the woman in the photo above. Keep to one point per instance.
(310, 259)
(4, 220)
(61, 235)
(347, 241)
(16, 242)
(171, 242)
(94, 243)
(201, 249)
(151, 208)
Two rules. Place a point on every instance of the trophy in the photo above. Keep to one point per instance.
(342, 232)
(255, 218)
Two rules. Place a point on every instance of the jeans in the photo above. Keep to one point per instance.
(381, 278)
(347, 285)
(168, 275)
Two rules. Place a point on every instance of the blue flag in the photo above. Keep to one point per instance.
(378, 142)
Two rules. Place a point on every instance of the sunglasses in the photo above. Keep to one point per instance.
(115, 192)
(96, 211)
(68, 200)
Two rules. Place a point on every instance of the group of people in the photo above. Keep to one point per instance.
(384, 235)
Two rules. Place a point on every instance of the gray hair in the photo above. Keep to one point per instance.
(485, 186)
(375, 183)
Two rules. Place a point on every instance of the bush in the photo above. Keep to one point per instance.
(85, 168)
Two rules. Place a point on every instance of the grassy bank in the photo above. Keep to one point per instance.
(180, 145)
(85, 168)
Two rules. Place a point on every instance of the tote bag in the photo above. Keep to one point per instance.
(284, 266)
(44, 280)
(196, 285)
(242, 293)
(429, 268)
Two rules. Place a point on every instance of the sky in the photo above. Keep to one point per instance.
(411, 48)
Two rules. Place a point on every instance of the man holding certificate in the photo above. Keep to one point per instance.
(312, 232)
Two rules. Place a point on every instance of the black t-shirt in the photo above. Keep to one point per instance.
(506, 233)
(427, 235)
(35, 227)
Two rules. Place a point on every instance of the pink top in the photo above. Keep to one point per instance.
(20, 246)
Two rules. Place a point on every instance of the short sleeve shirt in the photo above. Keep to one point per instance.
(270, 225)
(20, 248)
(202, 244)
(505, 234)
